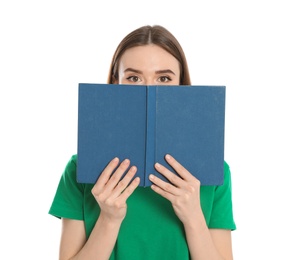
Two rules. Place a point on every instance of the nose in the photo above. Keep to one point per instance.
(149, 81)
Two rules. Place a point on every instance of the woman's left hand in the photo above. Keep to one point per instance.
(183, 191)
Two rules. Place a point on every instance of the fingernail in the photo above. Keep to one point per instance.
(133, 169)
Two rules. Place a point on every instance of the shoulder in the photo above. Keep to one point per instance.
(227, 173)
(225, 189)
(68, 199)
(71, 166)
(222, 208)
(72, 163)
(226, 167)
(69, 176)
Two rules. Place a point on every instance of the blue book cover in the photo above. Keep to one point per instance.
(144, 123)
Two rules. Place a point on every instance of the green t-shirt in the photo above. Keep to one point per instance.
(150, 230)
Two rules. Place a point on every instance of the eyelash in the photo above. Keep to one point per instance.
(162, 79)
(130, 78)
(166, 78)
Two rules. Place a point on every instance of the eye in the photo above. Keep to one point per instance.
(134, 79)
(164, 79)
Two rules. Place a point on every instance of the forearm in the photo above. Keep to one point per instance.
(101, 241)
(200, 243)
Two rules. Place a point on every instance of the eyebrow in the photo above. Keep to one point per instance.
(156, 72)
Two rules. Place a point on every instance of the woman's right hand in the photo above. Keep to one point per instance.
(111, 191)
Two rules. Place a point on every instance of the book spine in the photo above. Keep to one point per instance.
(150, 132)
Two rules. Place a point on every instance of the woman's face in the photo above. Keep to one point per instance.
(148, 65)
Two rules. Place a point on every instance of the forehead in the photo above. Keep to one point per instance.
(148, 56)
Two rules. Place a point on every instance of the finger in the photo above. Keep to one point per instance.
(165, 186)
(105, 175)
(163, 193)
(124, 182)
(182, 171)
(172, 177)
(117, 175)
(130, 189)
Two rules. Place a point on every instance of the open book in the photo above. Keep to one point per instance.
(144, 123)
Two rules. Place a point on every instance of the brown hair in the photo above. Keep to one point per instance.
(145, 35)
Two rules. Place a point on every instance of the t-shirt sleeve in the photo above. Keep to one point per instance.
(222, 211)
(68, 199)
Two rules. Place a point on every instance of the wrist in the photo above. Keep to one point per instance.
(196, 222)
(109, 222)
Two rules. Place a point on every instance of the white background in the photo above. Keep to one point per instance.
(252, 47)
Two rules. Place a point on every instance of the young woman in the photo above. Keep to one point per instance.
(116, 219)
